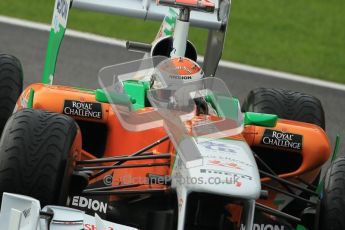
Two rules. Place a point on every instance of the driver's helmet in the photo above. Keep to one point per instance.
(170, 76)
(176, 71)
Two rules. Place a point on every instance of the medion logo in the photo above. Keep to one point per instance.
(181, 77)
(264, 227)
(91, 204)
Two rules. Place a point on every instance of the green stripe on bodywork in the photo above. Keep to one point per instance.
(173, 165)
(137, 91)
(31, 98)
(336, 148)
(225, 106)
(260, 119)
(278, 202)
(101, 96)
(113, 97)
(320, 187)
(135, 94)
(54, 43)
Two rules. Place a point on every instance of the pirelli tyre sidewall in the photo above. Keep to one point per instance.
(11, 86)
(332, 210)
(37, 151)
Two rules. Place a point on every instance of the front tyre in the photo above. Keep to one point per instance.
(11, 86)
(286, 104)
(36, 155)
(332, 210)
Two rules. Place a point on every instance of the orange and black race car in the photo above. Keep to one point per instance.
(162, 144)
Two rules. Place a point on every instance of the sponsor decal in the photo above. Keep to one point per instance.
(219, 172)
(224, 164)
(62, 222)
(83, 109)
(181, 77)
(168, 25)
(218, 146)
(264, 227)
(26, 212)
(93, 227)
(60, 14)
(221, 157)
(62, 8)
(24, 102)
(283, 140)
(87, 203)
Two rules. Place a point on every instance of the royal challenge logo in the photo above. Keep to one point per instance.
(289, 141)
(83, 109)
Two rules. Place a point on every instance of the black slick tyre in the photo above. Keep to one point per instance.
(332, 208)
(11, 86)
(286, 104)
(36, 156)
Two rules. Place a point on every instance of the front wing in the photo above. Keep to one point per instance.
(24, 213)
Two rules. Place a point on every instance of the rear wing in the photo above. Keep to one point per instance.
(215, 22)
(148, 10)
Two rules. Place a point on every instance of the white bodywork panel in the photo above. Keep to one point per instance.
(81, 220)
(20, 212)
(228, 169)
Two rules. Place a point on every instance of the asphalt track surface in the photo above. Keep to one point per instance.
(80, 60)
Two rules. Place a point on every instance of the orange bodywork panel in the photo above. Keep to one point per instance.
(120, 142)
(315, 149)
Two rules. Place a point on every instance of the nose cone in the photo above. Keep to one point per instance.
(221, 180)
(228, 169)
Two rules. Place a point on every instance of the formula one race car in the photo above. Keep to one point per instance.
(162, 144)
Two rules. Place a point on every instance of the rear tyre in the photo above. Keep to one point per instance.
(36, 156)
(11, 86)
(286, 104)
(333, 200)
